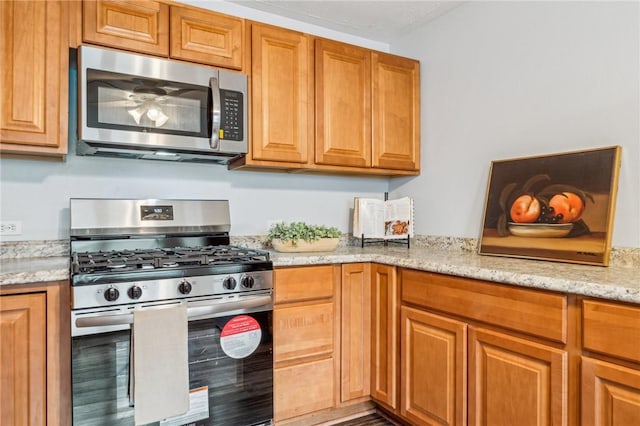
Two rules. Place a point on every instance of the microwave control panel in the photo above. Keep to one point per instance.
(231, 116)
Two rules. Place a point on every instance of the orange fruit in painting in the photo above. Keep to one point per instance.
(525, 209)
(567, 204)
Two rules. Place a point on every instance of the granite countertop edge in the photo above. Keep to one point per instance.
(613, 282)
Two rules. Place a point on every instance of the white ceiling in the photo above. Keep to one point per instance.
(380, 20)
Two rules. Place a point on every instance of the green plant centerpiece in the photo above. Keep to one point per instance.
(302, 237)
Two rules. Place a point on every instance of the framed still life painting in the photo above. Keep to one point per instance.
(557, 207)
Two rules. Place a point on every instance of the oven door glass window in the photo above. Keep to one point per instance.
(133, 103)
(238, 390)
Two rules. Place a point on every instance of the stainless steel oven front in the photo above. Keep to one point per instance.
(170, 324)
(230, 384)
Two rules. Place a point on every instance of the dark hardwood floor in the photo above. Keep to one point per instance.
(368, 420)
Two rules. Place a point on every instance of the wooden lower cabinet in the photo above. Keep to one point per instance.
(305, 340)
(433, 369)
(355, 340)
(34, 355)
(515, 381)
(610, 394)
(610, 387)
(23, 358)
(385, 348)
(470, 356)
(303, 388)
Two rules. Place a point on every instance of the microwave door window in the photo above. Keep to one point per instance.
(124, 102)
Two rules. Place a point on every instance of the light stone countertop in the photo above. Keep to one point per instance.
(612, 282)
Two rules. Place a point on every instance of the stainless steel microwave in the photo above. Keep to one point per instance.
(139, 106)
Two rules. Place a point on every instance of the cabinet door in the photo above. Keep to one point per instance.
(355, 316)
(141, 26)
(303, 388)
(515, 381)
(433, 369)
(34, 87)
(396, 112)
(384, 335)
(281, 93)
(343, 104)
(206, 37)
(610, 394)
(23, 359)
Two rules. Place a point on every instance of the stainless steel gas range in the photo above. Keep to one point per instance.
(135, 257)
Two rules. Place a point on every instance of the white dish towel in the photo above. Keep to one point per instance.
(160, 363)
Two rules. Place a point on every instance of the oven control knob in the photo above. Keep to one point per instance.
(111, 294)
(134, 292)
(247, 281)
(229, 283)
(184, 287)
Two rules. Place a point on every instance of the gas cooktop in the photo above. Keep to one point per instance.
(163, 258)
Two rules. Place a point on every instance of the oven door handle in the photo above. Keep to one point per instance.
(194, 310)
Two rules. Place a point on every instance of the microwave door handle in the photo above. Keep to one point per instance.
(214, 86)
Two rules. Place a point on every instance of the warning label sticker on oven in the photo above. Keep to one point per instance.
(240, 336)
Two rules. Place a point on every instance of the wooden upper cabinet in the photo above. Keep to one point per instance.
(34, 49)
(140, 26)
(155, 28)
(396, 112)
(343, 104)
(281, 93)
(206, 37)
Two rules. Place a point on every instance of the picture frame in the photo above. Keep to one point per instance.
(556, 207)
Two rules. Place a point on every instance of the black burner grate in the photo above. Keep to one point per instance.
(162, 258)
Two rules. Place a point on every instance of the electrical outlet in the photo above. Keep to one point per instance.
(10, 227)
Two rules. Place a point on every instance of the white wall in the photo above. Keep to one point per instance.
(511, 79)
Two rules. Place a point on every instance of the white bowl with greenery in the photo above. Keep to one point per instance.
(302, 237)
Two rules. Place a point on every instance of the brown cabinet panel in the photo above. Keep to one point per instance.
(206, 37)
(303, 388)
(433, 369)
(281, 95)
(35, 354)
(303, 331)
(384, 335)
(515, 381)
(611, 329)
(343, 104)
(355, 314)
(396, 112)
(34, 49)
(141, 26)
(23, 360)
(526, 311)
(300, 284)
(610, 394)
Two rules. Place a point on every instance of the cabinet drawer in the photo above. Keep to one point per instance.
(303, 388)
(303, 331)
(526, 311)
(300, 284)
(612, 329)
